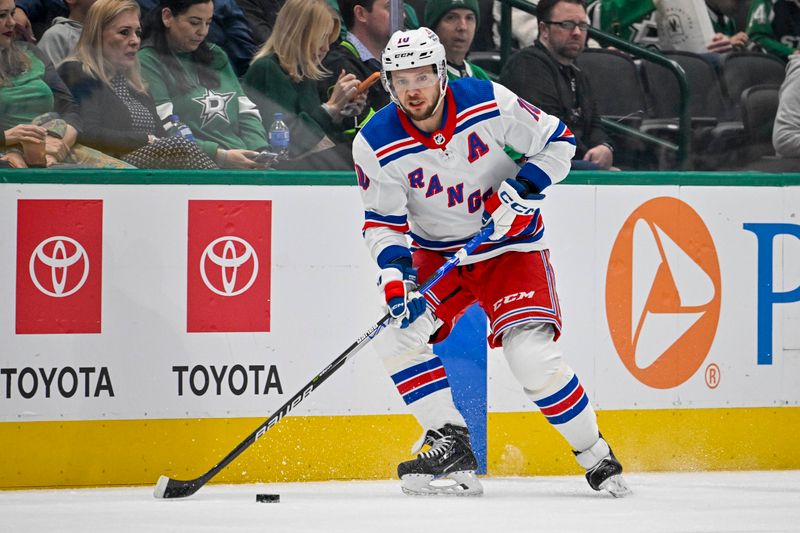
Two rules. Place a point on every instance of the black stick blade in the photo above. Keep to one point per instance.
(168, 488)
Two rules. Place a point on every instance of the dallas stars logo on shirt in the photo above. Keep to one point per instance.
(214, 105)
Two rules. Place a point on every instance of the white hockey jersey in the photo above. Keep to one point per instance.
(431, 187)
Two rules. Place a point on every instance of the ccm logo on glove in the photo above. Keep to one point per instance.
(519, 208)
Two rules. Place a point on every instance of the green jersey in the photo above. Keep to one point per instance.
(722, 23)
(220, 117)
(26, 97)
(632, 20)
(775, 25)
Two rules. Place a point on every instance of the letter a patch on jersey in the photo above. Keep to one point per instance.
(477, 147)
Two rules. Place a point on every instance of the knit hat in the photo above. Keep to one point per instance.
(436, 9)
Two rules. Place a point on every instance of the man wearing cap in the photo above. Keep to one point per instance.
(455, 21)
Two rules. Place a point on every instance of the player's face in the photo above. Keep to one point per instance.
(417, 89)
(7, 24)
(185, 32)
(564, 44)
(121, 40)
(456, 30)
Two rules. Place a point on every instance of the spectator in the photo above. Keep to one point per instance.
(284, 76)
(368, 31)
(118, 113)
(194, 80)
(60, 39)
(36, 108)
(637, 21)
(775, 26)
(786, 133)
(545, 74)
(455, 21)
(229, 30)
(722, 13)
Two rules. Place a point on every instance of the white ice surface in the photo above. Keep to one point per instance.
(752, 502)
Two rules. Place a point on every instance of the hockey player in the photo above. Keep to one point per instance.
(431, 166)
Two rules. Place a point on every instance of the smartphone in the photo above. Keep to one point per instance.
(369, 82)
(265, 158)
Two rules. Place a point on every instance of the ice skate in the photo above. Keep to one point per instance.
(448, 467)
(603, 470)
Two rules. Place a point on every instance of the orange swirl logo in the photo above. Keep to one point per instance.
(663, 292)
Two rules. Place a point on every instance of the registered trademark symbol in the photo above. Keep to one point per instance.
(712, 376)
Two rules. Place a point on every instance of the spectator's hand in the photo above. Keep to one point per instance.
(16, 159)
(25, 133)
(51, 160)
(344, 91)
(601, 155)
(739, 40)
(720, 44)
(354, 107)
(23, 25)
(241, 159)
(56, 148)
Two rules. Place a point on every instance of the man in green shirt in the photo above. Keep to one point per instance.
(775, 26)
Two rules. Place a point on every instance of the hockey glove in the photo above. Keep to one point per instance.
(399, 284)
(511, 209)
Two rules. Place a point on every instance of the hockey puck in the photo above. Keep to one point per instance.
(268, 498)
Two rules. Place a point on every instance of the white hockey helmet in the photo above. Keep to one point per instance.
(412, 49)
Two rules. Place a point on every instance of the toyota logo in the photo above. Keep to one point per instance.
(60, 258)
(230, 254)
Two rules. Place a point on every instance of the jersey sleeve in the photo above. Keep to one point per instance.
(385, 206)
(546, 142)
(759, 29)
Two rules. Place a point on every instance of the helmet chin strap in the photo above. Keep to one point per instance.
(442, 91)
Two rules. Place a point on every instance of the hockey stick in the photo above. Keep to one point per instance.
(167, 487)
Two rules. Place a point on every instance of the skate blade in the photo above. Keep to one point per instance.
(616, 486)
(463, 483)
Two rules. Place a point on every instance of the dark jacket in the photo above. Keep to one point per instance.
(535, 75)
(229, 30)
(343, 55)
(107, 124)
(261, 15)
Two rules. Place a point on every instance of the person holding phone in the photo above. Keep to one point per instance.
(284, 78)
(194, 80)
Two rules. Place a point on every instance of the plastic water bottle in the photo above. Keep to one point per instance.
(279, 136)
(181, 129)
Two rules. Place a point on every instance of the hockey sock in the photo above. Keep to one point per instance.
(421, 380)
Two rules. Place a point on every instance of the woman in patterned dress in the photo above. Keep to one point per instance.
(118, 113)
